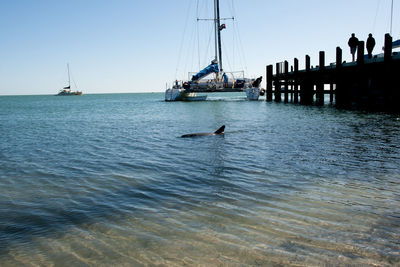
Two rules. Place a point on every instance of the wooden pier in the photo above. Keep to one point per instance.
(365, 83)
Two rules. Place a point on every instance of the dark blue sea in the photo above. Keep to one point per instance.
(106, 180)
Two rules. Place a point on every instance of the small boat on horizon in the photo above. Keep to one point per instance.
(66, 91)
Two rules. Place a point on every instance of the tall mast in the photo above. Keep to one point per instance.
(215, 30)
(218, 33)
(69, 80)
(391, 19)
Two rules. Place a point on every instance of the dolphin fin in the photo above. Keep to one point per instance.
(220, 130)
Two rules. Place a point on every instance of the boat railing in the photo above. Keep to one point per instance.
(234, 75)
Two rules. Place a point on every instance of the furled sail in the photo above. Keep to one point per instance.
(212, 68)
(396, 44)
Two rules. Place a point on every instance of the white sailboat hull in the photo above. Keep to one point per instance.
(180, 94)
(174, 94)
(194, 97)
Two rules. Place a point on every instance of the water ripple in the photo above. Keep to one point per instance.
(106, 180)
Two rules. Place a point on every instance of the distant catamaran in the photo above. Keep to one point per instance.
(66, 91)
(222, 81)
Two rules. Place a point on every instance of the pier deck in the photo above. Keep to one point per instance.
(366, 82)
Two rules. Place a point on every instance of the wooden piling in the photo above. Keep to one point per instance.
(339, 96)
(387, 83)
(339, 61)
(360, 53)
(388, 47)
(286, 83)
(269, 83)
(360, 89)
(307, 88)
(296, 83)
(277, 85)
(331, 93)
(320, 82)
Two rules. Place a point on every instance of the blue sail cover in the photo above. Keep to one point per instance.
(396, 43)
(213, 67)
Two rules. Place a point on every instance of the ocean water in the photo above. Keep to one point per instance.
(106, 180)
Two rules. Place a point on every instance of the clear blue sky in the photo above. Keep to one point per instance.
(134, 46)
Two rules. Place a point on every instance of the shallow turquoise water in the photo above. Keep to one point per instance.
(106, 180)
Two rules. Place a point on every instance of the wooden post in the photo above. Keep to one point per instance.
(321, 60)
(320, 82)
(296, 84)
(339, 61)
(387, 79)
(277, 84)
(388, 47)
(269, 83)
(359, 89)
(306, 90)
(360, 53)
(291, 85)
(286, 84)
(331, 93)
(339, 95)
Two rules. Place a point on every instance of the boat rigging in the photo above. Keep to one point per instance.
(220, 81)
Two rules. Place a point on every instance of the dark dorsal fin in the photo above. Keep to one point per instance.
(220, 130)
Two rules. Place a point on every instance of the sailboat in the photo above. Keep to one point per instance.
(66, 91)
(221, 80)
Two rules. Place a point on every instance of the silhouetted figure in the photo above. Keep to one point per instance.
(353, 42)
(370, 45)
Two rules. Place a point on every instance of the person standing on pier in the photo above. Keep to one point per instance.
(370, 45)
(353, 43)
